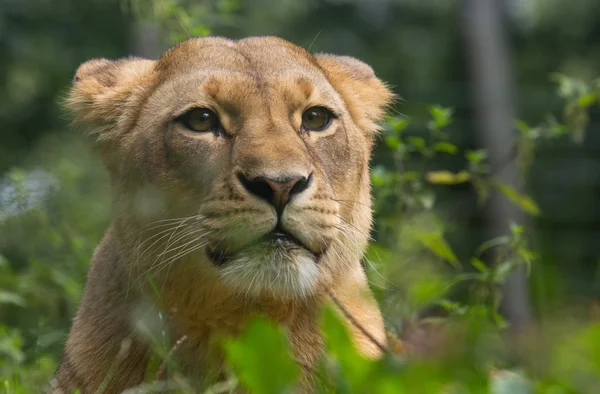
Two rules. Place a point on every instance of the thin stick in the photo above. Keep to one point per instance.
(123, 351)
(356, 323)
(163, 366)
(182, 26)
(314, 39)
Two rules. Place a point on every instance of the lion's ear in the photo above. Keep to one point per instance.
(103, 91)
(366, 96)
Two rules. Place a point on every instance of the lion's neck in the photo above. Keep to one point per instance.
(196, 309)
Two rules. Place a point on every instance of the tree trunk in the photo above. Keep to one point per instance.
(493, 88)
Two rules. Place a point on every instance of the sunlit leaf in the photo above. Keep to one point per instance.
(587, 100)
(569, 87)
(447, 177)
(6, 297)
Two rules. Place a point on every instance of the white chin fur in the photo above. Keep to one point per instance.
(279, 272)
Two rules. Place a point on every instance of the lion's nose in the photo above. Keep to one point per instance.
(277, 191)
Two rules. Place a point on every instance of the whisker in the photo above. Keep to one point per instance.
(371, 265)
(158, 262)
(168, 230)
(187, 234)
(173, 226)
(186, 231)
(167, 233)
(166, 222)
(178, 227)
(169, 263)
(179, 255)
(348, 202)
(171, 220)
(367, 236)
(395, 286)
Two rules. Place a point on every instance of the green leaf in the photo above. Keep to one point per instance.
(435, 242)
(417, 142)
(480, 265)
(7, 297)
(576, 358)
(392, 141)
(523, 127)
(516, 229)
(11, 344)
(441, 117)
(355, 367)
(446, 147)
(522, 201)
(502, 240)
(476, 156)
(503, 270)
(450, 306)
(398, 124)
(262, 359)
(530, 133)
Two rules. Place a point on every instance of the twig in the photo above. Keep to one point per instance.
(314, 39)
(304, 365)
(182, 26)
(222, 387)
(356, 323)
(153, 387)
(163, 366)
(123, 350)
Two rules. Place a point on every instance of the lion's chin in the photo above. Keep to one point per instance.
(277, 268)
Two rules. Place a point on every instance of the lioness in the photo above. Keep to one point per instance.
(240, 172)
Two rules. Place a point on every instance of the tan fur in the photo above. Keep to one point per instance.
(160, 171)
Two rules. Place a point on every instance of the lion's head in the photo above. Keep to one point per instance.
(245, 161)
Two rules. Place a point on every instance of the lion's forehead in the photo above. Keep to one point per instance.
(246, 76)
(259, 55)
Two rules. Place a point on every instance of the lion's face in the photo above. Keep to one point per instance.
(248, 159)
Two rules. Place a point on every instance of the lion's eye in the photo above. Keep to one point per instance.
(316, 119)
(201, 120)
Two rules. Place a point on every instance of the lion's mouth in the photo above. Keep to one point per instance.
(278, 238)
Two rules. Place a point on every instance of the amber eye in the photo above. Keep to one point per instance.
(316, 119)
(201, 120)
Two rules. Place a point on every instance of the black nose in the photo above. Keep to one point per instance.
(277, 191)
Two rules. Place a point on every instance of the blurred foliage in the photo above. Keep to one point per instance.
(435, 275)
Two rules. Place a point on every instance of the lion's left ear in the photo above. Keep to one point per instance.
(366, 96)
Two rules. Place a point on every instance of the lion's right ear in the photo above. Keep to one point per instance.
(366, 96)
(104, 91)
